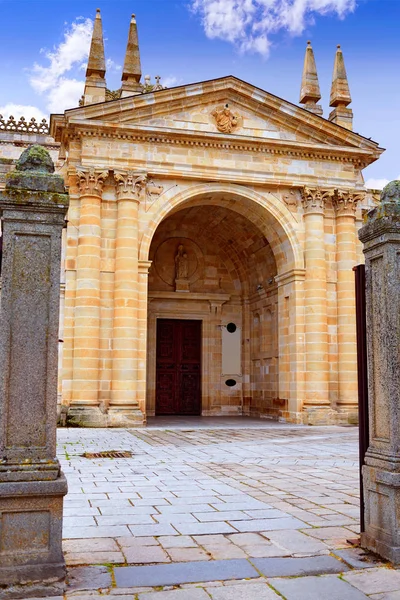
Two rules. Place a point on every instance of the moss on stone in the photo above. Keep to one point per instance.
(391, 192)
(35, 158)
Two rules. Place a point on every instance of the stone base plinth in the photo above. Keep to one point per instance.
(86, 416)
(319, 415)
(347, 416)
(125, 417)
(93, 416)
(382, 518)
(182, 285)
(31, 559)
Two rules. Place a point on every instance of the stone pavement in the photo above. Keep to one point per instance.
(220, 509)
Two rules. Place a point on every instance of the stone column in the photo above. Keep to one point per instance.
(317, 404)
(32, 208)
(85, 405)
(124, 409)
(345, 203)
(381, 473)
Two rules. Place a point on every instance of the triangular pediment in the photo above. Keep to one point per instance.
(198, 110)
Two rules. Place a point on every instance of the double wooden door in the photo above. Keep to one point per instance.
(178, 367)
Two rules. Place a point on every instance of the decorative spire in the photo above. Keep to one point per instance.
(310, 92)
(132, 70)
(95, 86)
(340, 94)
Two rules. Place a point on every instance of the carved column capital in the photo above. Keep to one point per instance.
(91, 180)
(130, 185)
(345, 202)
(314, 199)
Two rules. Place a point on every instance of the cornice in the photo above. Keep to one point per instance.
(147, 134)
(227, 85)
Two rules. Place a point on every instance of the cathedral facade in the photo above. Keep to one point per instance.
(209, 248)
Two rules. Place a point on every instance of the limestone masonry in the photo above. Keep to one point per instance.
(208, 254)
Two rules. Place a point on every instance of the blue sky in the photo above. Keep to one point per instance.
(44, 44)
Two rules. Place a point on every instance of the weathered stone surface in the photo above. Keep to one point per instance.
(315, 588)
(193, 572)
(32, 486)
(288, 567)
(381, 473)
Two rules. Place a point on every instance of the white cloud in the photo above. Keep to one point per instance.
(249, 23)
(22, 110)
(170, 81)
(112, 66)
(52, 81)
(71, 52)
(377, 184)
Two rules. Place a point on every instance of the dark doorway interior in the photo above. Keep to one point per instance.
(178, 367)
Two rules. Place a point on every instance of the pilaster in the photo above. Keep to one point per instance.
(85, 405)
(316, 408)
(345, 204)
(124, 408)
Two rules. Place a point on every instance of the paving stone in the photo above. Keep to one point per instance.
(152, 530)
(176, 573)
(269, 524)
(88, 578)
(222, 516)
(188, 554)
(145, 554)
(358, 558)
(94, 558)
(203, 528)
(92, 532)
(124, 519)
(316, 588)
(297, 542)
(91, 545)
(192, 594)
(375, 581)
(289, 567)
(247, 591)
(176, 518)
(173, 541)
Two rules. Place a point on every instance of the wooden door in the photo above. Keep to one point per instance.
(178, 367)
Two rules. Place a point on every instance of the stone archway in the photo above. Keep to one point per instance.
(261, 267)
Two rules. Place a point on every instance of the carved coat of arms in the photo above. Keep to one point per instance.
(225, 119)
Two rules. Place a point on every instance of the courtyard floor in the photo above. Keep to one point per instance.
(217, 509)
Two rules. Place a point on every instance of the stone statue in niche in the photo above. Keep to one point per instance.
(225, 120)
(181, 270)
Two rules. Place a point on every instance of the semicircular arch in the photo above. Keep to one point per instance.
(264, 210)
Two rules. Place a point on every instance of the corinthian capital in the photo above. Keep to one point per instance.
(91, 180)
(131, 185)
(314, 199)
(345, 202)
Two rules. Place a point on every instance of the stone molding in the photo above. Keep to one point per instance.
(130, 185)
(345, 202)
(144, 266)
(91, 180)
(290, 276)
(271, 146)
(314, 199)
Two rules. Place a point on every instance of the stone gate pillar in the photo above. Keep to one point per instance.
(32, 208)
(381, 239)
